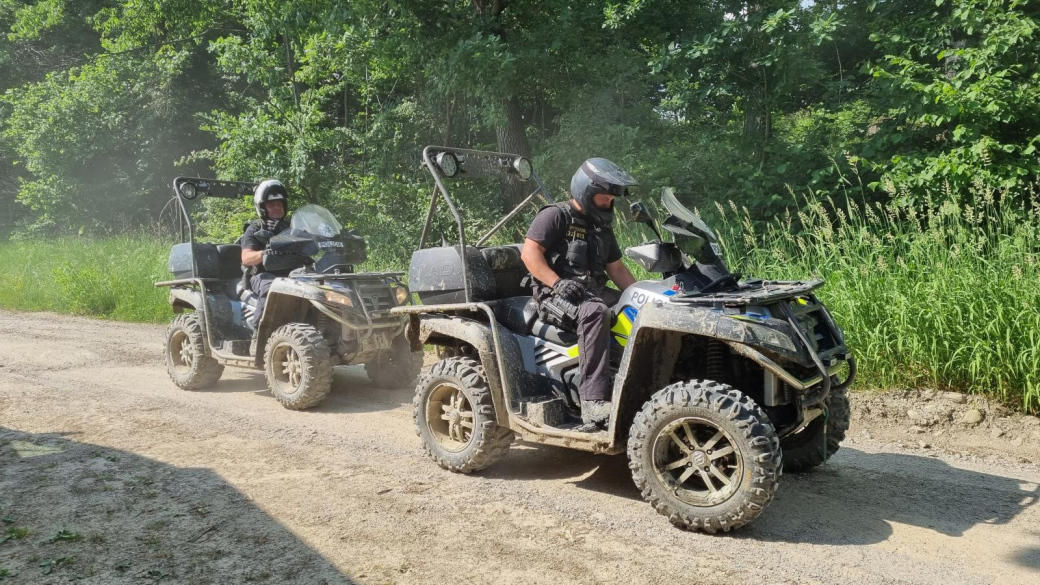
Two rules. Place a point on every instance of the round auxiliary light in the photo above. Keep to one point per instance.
(448, 164)
(188, 190)
(401, 292)
(522, 166)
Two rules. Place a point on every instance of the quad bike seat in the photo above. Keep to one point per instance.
(495, 272)
(507, 269)
(520, 315)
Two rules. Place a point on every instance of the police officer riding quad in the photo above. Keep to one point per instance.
(713, 376)
(320, 315)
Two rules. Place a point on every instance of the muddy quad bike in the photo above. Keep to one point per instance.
(322, 315)
(714, 376)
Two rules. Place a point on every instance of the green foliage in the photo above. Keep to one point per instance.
(90, 140)
(721, 101)
(960, 88)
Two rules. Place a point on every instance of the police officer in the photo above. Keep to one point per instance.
(571, 251)
(270, 199)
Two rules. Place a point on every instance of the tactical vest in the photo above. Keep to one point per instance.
(276, 226)
(585, 259)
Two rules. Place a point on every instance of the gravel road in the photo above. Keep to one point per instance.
(111, 474)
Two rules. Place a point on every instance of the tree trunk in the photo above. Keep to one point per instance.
(290, 65)
(758, 122)
(512, 139)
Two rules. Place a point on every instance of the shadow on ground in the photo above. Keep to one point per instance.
(598, 473)
(1027, 557)
(853, 499)
(72, 511)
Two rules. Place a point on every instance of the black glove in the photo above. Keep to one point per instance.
(571, 290)
(263, 236)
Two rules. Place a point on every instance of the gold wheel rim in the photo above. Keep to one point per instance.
(450, 417)
(181, 352)
(287, 368)
(698, 461)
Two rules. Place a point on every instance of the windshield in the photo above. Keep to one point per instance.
(316, 221)
(313, 230)
(678, 210)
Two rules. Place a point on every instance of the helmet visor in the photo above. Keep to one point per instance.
(608, 177)
(275, 194)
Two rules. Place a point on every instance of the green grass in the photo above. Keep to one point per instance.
(937, 295)
(110, 278)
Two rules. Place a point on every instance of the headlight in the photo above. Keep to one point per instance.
(766, 336)
(448, 164)
(188, 190)
(402, 294)
(338, 298)
(522, 166)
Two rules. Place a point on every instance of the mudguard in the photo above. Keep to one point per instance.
(185, 298)
(290, 287)
(654, 344)
(480, 336)
(287, 302)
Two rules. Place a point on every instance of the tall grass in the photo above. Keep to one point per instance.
(111, 278)
(943, 295)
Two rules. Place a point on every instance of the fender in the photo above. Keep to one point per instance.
(478, 334)
(185, 298)
(295, 288)
(281, 307)
(656, 338)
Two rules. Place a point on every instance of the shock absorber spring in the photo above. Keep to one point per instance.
(323, 326)
(716, 366)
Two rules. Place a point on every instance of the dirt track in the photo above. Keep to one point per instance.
(154, 484)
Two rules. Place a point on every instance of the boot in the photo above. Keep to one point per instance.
(595, 415)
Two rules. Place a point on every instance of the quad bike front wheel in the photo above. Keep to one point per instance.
(704, 455)
(820, 439)
(187, 362)
(397, 367)
(298, 366)
(455, 417)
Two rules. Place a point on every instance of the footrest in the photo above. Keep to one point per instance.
(236, 347)
(548, 413)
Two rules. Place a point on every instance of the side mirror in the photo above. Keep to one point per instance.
(641, 214)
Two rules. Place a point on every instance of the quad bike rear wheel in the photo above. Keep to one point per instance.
(187, 361)
(298, 366)
(396, 368)
(455, 417)
(704, 455)
(820, 439)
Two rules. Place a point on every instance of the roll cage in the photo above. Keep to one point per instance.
(473, 164)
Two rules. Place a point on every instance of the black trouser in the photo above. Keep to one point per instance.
(260, 284)
(594, 321)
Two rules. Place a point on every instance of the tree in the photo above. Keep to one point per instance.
(959, 92)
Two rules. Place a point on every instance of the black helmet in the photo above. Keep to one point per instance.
(599, 175)
(269, 190)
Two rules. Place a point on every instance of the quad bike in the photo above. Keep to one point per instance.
(322, 315)
(714, 377)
